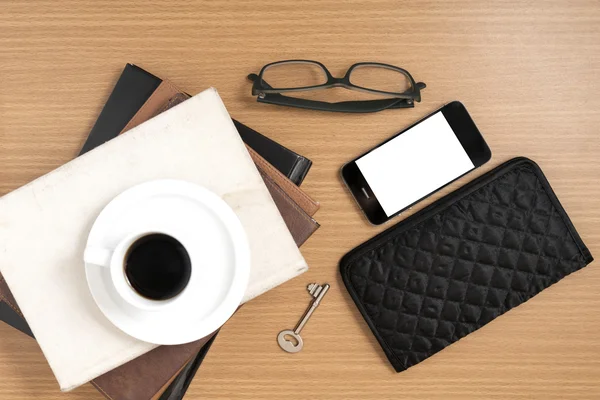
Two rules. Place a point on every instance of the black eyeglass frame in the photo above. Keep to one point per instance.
(268, 94)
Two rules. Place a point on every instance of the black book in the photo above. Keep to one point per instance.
(132, 90)
(10, 316)
(291, 164)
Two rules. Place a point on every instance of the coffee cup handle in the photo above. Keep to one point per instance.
(97, 256)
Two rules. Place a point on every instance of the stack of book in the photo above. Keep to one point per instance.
(163, 372)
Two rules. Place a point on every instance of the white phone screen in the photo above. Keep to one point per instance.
(414, 164)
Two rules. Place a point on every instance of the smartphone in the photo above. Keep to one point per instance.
(416, 162)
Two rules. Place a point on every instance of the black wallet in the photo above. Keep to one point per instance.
(464, 260)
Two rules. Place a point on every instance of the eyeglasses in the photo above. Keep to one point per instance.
(395, 84)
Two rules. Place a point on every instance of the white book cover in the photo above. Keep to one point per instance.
(44, 227)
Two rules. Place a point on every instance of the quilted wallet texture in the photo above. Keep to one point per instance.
(461, 262)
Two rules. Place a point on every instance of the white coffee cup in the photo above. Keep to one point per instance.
(115, 260)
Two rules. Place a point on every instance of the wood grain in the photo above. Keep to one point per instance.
(527, 71)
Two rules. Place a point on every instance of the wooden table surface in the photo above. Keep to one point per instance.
(529, 72)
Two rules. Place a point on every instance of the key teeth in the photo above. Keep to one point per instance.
(314, 289)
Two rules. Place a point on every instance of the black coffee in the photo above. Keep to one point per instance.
(158, 267)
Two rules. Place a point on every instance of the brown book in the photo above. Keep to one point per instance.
(148, 376)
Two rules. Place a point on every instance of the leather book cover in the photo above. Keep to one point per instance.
(9, 311)
(181, 383)
(133, 88)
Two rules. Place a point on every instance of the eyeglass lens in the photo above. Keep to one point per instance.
(381, 78)
(294, 75)
(301, 74)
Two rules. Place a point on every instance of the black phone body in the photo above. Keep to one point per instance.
(416, 162)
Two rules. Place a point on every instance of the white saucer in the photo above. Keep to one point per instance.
(214, 291)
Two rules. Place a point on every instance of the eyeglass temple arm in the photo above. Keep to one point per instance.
(343, 106)
(365, 106)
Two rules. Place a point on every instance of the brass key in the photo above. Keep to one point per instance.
(295, 345)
